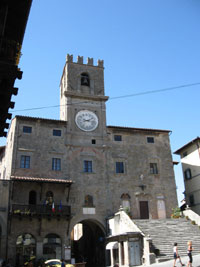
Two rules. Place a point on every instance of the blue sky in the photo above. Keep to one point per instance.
(146, 45)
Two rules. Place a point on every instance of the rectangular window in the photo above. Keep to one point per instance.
(153, 168)
(87, 166)
(188, 174)
(150, 139)
(56, 164)
(27, 129)
(119, 167)
(56, 132)
(25, 162)
(185, 154)
(117, 137)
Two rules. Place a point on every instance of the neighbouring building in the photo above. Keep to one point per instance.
(190, 161)
(13, 20)
(67, 177)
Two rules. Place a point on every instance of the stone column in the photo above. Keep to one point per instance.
(39, 249)
(148, 257)
(126, 253)
(111, 258)
(120, 253)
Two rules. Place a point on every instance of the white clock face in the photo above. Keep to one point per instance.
(86, 120)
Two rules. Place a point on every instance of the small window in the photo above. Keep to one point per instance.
(56, 132)
(150, 139)
(117, 137)
(187, 174)
(185, 154)
(93, 141)
(191, 199)
(119, 167)
(85, 79)
(153, 168)
(88, 201)
(27, 129)
(25, 162)
(87, 166)
(56, 164)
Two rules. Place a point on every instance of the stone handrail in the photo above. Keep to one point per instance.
(192, 216)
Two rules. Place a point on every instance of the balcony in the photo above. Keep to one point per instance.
(40, 211)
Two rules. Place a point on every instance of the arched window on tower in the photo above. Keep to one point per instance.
(32, 197)
(85, 80)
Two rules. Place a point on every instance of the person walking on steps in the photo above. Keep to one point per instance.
(189, 252)
(176, 255)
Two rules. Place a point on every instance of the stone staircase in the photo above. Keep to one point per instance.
(164, 233)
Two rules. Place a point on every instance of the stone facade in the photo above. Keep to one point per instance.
(92, 171)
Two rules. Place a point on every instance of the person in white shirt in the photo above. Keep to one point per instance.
(176, 255)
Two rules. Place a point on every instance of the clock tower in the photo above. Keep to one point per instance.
(82, 99)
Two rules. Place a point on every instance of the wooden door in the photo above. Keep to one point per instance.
(144, 210)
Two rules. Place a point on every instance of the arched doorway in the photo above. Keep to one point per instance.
(52, 247)
(25, 249)
(87, 243)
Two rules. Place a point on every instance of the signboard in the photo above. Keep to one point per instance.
(67, 253)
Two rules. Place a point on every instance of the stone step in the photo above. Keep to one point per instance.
(165, 232)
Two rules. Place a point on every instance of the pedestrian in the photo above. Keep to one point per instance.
(189, 252)
(62, 263)
(176, 255)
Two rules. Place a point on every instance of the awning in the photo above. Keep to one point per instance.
(112, 245)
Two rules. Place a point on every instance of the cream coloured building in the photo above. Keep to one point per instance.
(190, 161)
(79, 171)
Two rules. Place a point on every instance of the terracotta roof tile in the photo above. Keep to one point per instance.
(39, 179)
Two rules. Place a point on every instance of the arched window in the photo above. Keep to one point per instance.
(32, 197)
(85, 80)
(25, 249)
(125, 201)
(52, 247)
(49, 197)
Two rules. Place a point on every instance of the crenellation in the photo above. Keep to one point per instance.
(100, 63)
(80, 60)
(90, 61)
(69, 58)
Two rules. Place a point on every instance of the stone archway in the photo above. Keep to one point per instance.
(87, 243)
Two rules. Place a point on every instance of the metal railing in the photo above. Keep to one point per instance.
(43, 210)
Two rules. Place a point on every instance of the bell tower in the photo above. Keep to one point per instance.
(82, 98)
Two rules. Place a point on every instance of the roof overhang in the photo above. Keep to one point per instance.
(41, 180)
(196, 140)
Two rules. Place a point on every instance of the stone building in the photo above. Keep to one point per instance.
(190, 161)
(68, 176)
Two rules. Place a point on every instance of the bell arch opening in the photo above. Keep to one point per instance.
(88, 243)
